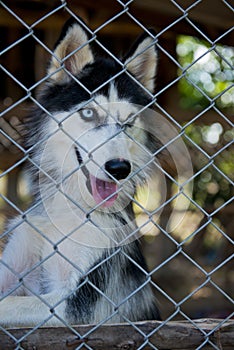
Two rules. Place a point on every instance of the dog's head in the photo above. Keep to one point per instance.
(95, 127)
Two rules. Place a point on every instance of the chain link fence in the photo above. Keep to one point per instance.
(190, 260)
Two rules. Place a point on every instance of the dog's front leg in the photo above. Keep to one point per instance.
(19, 256)
(20, 311)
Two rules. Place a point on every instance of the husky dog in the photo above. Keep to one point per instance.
(74, 257)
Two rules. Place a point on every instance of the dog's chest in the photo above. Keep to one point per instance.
(66, 265)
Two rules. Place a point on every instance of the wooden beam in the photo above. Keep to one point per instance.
(208, 16)
(208, 13)
(173, 335)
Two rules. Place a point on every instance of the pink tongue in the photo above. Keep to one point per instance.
(103, 189)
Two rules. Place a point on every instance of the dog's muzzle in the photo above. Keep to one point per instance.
(118, 168)
(105, 191)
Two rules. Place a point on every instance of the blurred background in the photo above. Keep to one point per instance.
(194, 91)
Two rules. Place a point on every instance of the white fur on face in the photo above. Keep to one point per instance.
(98, 140)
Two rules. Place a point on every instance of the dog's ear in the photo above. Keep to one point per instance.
(72, 51)
(141, 61)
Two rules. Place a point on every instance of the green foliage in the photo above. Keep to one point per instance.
(208, 74)
(213, 186)
(208, 78)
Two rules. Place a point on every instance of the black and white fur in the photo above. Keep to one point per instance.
(71, 259)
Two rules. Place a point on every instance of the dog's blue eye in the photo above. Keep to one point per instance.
(88, 113)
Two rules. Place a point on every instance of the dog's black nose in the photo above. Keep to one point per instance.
(118, 168)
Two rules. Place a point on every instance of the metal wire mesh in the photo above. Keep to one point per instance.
(179, 245)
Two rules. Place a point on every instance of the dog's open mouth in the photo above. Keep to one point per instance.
(101, 190)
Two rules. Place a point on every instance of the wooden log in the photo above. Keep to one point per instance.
(172, 335)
